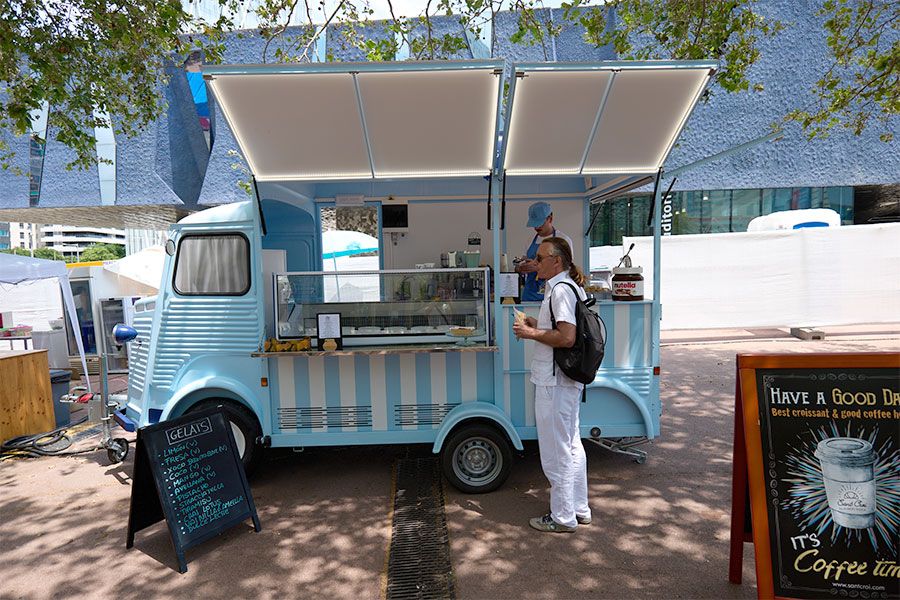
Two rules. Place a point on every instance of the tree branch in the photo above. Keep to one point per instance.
(284, 27)
(319, 32)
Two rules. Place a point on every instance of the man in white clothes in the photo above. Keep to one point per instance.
(556, 396)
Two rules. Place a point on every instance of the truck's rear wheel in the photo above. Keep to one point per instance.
(244, 426)
(476, 459)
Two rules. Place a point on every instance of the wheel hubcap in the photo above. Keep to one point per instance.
(476, 460)
(239, 441)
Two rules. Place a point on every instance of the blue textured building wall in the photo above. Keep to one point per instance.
(61, 187)
(789, 65)
(166, 164)
(14, 188)
(169, 164)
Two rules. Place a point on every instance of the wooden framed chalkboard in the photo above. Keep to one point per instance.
(188, 472)
(821, 436)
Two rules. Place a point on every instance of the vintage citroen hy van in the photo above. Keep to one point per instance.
(420, 355)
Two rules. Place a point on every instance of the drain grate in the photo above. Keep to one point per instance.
(84, 431)
(419, 557)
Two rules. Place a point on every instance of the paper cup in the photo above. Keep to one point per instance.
(849, 477)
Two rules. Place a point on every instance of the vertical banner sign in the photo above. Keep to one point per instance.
(823, 448)
(188, 472)
(667, 214)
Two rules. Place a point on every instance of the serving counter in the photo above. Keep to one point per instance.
(382, 350)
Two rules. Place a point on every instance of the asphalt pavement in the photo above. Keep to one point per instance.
(660, 529)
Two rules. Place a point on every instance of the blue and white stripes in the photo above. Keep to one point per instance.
(360, 395)
(628, 354)
(390, 392)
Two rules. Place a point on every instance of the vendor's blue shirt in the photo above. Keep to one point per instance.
(532, 291)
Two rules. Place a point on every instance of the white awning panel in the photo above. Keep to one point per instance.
(599, 118)
(362, 121)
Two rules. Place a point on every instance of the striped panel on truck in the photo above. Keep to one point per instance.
(391, 392)
(628, 345)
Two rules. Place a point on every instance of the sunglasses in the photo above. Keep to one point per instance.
(539, 257)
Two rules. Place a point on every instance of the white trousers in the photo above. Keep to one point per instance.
(562, 454)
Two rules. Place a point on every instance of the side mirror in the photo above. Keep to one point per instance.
(170, 247)
(124, 333)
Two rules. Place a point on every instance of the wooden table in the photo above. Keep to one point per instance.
(26, 400)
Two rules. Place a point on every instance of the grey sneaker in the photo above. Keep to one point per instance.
(546, 523)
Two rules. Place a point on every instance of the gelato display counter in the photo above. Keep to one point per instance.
(380, 308)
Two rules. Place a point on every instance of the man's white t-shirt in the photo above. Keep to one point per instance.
(542, 369)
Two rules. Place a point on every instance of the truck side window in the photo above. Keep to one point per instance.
(213, 265)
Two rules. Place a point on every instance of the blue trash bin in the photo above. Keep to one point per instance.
(59, 387)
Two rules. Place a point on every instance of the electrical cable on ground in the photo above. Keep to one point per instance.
(38, 444)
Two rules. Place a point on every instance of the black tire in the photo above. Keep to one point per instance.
(117, 450)
(244, 426)
(476, 459)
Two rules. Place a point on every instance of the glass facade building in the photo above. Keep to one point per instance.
(712, 211)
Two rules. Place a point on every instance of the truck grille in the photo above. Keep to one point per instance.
(317, 418)
(137, 359)
(194, 326)
(421, 414)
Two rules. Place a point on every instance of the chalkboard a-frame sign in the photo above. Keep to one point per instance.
(817, 441)
(188, 472)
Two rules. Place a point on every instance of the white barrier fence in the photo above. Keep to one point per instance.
(793, 278)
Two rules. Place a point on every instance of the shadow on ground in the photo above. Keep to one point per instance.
(660, 530)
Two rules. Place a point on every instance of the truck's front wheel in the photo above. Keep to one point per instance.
(476, 459)
(244, 426)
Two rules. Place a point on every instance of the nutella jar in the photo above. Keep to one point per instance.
(627, 283)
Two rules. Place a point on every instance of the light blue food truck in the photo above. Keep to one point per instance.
(409, 350)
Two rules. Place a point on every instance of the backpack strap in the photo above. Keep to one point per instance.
(574, 291)
(553, 318)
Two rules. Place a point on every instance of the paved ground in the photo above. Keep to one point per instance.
(660, 530)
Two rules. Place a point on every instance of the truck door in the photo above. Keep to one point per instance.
(293, 229)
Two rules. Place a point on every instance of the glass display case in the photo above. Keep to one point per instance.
(112, 312)
(386, 307)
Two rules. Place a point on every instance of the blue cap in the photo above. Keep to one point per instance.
(538, 213)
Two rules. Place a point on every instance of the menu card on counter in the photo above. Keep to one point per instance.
(509, 285)
(198, 482)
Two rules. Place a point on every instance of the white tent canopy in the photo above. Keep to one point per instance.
(144, 267)
(16, 269)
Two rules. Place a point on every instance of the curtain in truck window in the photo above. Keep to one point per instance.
(213, 265)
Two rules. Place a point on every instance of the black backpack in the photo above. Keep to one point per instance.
(581, 361)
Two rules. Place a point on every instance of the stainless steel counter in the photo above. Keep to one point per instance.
(380, 350)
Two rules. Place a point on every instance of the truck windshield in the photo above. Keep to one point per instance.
(213, 265)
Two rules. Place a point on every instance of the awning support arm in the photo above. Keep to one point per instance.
(489, 217)
(653, 200)
(775, 135)
(590, 142)
(593, 219)
(615, 192)
(362, 116)
(503, 203)
(262, 218)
